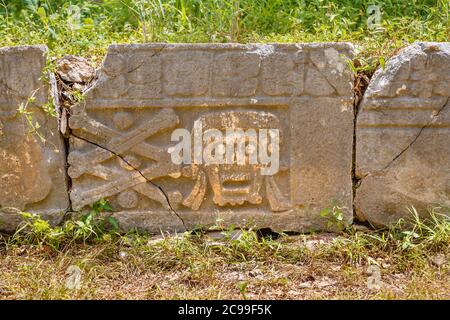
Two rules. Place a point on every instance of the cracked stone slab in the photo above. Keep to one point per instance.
(32, 160)
(403, 136)
(121, 134)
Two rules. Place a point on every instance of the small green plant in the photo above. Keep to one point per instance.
(335, 217)
(242, 286)
(92, 217)
(49, 108)
(28, 116)
(36, 231)
(78, 96)
(91, 226)
(365, 64)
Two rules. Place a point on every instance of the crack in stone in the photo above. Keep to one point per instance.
(8, 88)
(156, 53)
(417, 136)
(355, 180)
(326, 78)
(358, 89)
(140, 173)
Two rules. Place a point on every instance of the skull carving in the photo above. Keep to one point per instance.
(239, 180)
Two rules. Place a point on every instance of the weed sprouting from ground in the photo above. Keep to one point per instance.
(412, 257)
(412, 236)
(91, 226)
(409, 242)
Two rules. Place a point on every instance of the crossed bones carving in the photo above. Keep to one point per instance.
(116, 143)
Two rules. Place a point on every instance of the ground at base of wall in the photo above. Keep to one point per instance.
(237, 265)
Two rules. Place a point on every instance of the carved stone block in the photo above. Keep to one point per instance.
(121, 135)
(32, 155)
(403, 136)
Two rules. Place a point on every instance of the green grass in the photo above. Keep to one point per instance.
(413, 263)
(87, 27)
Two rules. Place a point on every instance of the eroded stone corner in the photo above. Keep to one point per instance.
(32, 153)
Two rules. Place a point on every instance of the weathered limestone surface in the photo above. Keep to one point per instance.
(403, 135)
(32, 162)
(144, 92)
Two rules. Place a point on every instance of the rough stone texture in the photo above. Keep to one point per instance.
(144, 92)
(75, 69)
(403, 135)
(32, 162)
